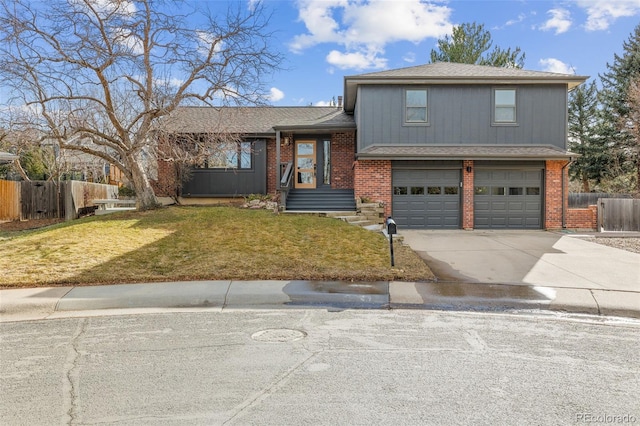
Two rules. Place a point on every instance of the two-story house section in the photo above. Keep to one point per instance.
(451, 146)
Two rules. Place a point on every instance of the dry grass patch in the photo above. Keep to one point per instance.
(201, 243)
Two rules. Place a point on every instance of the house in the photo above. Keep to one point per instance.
(7, 158)
(443, 146)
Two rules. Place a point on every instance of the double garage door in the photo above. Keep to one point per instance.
(503, 198)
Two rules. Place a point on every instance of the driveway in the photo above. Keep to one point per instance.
(533, 258)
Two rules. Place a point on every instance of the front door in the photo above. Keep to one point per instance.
(305, 164)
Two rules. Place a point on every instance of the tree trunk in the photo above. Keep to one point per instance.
(585, 184)
(146, 197)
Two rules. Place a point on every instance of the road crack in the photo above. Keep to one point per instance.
(71, 381)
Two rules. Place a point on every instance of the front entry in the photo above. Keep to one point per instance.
(305, 164)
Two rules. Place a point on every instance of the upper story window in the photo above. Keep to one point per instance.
(504, 106)
(415, 102)
(230, 155)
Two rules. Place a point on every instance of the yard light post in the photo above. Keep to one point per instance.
(391, 230)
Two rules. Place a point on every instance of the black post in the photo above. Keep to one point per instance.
(391, 246)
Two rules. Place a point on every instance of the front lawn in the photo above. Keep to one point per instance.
(201, 243)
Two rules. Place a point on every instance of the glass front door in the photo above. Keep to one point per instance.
(305, 164)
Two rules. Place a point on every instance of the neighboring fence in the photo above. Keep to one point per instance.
(9, 200)
(616, 214)
(586, 199)
(43, 200)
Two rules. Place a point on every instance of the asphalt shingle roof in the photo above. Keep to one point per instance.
(467, 152)
(454, 73)
(256, 120)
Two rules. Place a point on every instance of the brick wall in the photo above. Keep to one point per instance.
(286, 155)
(553, 193)
(165, 185)
(467, 194)
(342, 158)
(586, 218)
(373, 180)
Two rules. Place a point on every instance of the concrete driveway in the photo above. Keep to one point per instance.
(533, 258)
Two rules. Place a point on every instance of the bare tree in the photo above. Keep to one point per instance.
(107, 72)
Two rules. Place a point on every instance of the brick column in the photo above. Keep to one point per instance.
(553, 202)
(467, 195)
(372, 180)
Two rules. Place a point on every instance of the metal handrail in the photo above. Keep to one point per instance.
(286, 176)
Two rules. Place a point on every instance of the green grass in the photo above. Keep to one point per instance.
(201, 243)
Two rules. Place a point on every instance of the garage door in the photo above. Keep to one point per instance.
(426, 198)
(508, 199)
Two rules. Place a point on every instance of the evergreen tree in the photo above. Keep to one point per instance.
(617, 108)
(584, 137)
(469, 44)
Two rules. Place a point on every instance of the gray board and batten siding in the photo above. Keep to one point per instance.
(462, 115)
(231, 182)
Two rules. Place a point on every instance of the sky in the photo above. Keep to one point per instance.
(325, 40)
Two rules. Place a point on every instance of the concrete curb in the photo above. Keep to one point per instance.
(41, 303)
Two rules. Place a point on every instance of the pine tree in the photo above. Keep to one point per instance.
(585, 139)
(469, 43)
(617, 108)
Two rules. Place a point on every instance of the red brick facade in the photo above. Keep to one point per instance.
(582, 218)
(343, 153)
(553, 192)
(373, 181)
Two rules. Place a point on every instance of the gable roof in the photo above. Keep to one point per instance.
(454, 73)
(257, 121)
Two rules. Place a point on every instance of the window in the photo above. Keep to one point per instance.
(433, 190)
(230, 155)
(533, 190)
(415, 106)
(516, 191)
(480, 190)
(417, 190)
(451, 190)
(399, 190)
(497, 190)
(504, 101)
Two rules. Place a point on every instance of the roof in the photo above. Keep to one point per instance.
(465, 152)
(259, 121)
(6, 157)
(454, 73)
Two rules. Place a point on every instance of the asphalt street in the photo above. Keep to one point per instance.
(320, 366)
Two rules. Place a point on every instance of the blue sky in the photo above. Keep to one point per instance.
(324, 40)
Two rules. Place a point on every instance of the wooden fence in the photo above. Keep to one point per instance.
(617, 214)
(9, 200)
(43, 200)
(586, 199)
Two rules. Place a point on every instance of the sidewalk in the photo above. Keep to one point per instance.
(54, 302)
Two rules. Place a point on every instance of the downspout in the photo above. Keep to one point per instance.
(564, 212)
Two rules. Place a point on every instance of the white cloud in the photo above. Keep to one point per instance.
(556, 65)
(364, 27)
(356, 60)
(409, 57)
(602, 13)
(275, 94)
(560, 21)
(323, 103)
